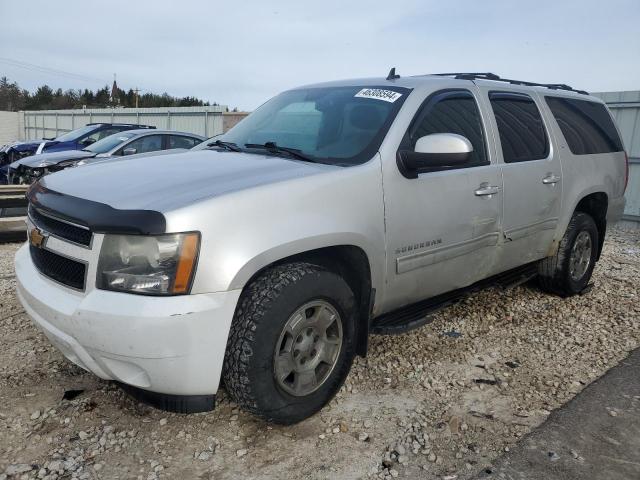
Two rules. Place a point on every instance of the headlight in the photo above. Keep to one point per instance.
(151, 265)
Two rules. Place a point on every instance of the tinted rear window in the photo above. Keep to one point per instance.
(587, 126)
(522, 133)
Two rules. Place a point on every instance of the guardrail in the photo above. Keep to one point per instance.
(13, 213)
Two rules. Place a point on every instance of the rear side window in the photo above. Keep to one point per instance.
(587, 126)
(522, 133)
(178, 141)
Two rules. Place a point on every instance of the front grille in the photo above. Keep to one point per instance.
(59, 228)
(59, 268)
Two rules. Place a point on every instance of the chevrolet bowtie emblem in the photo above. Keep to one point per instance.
(37, 237)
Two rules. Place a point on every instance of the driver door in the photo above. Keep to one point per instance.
(443, 226)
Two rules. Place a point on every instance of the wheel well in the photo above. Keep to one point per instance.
(596, 204)
(352, 264)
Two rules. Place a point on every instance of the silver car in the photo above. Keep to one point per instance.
(332, 212)
(126, 143)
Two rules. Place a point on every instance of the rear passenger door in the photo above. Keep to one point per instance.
(532, 177)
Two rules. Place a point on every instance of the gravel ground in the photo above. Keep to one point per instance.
(441, 402)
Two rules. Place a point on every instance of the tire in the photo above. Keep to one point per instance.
(555, 273)
(268, 305)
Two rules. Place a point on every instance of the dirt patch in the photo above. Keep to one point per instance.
(440, 402)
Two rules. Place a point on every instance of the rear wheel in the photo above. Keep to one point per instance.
(291, 343)
(568, 272)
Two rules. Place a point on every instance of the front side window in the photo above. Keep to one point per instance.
(104, 133)
(338, 125)
(450, 111)
(522, 133)
(74, 135)
(109, 143)
(586, 126)
(148, 143)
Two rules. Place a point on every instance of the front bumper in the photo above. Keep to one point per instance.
(169, 345)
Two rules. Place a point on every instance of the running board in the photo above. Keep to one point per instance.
(421, 313)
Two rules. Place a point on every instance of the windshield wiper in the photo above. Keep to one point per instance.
(271, 147)
(226, 145)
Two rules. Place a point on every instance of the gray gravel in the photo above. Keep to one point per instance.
(422, 404)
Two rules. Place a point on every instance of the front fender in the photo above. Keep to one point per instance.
(302, 245)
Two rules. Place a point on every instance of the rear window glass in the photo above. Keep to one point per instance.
(522, 133)
(587, 126)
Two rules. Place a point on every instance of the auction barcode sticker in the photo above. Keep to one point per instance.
(379, 94)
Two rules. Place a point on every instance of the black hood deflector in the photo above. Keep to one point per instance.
(98, 217)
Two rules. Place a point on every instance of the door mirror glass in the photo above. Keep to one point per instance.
(88, 141)
(130, 151)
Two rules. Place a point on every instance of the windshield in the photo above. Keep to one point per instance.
(109, 143)
(75, 134)
(340, 125)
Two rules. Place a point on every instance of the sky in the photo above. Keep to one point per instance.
(240, 53)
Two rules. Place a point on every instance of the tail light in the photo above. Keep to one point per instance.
(626, 173)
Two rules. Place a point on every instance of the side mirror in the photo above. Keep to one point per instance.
(438, 151)
(130, 151)
(88, 141)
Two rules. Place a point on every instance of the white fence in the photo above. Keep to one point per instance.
(206, 121)
(9, 127)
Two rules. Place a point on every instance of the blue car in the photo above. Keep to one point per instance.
(73, 140)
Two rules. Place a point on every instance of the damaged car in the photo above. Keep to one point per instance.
(74, 140)
(131, 142)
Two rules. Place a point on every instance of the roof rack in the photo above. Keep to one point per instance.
(120, 124)
(496, 78)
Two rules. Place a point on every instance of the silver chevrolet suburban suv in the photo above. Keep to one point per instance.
(333, 211)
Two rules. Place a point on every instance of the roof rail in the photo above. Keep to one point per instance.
(496, 78)
(121, 124)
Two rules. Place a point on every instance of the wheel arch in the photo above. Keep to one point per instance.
(349, 261)
(596, 204)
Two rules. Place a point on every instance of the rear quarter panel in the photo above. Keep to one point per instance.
(586, 174)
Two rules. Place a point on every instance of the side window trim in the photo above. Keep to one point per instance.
(506, 95)
(406, 142)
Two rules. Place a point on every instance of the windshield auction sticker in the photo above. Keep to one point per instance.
(379, 94)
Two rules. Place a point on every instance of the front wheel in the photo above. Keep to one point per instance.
(291, 343)
(568, 272)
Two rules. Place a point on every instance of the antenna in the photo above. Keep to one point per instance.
(392, 74)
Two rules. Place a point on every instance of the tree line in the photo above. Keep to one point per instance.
(14, 98)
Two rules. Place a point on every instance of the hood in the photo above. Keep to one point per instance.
(26, 145)
(47, 159)
(103, 157)
(167, 182)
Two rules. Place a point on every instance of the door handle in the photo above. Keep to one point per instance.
(486, 190)
(550, 179)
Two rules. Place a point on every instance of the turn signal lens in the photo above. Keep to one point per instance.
(186, 263)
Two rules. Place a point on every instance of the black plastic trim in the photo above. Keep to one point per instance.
(411, 163)
(169, 402)
(96, 216)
